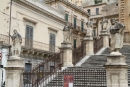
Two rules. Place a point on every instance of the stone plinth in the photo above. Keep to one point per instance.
(66, 49)
(89, 45)
(105, 36)
(14, 69)
(116, 71)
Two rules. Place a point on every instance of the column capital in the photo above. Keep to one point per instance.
(104, 33)
(88, 38)
(66, 45)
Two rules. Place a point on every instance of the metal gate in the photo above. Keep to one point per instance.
(70, 77)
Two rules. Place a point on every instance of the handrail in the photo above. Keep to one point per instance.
(79, 53)
(40, 73)
(98, 44)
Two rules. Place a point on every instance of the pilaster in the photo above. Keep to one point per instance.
(66, 49)
(116, 71)
(105, 36)
(14, 69)
(89, 45)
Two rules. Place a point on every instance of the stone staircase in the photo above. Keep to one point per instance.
(91, 73)
(100, 60)
(83, 77)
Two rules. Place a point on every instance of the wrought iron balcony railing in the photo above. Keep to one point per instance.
(31, 44)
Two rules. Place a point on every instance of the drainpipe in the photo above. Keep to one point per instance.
(10, 23)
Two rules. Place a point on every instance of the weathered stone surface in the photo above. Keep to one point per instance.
(66, 49)
(116, 71)
(89, 45)
(14, 70)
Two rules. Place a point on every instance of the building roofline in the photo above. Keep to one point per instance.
(79, 9)
(95, 5)
(40, 10)
(106, 16)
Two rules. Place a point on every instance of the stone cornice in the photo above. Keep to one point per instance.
(75, 7)
(39, 10)
(95, 5)
(79, 9)
(106, 16)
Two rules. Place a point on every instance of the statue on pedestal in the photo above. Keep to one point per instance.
(89, 28)
(104, 24)
(116, 31)
(67, 33)
(16, 43)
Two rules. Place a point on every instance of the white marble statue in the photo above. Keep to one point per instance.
(105, 24)
(16, 43)
(116, 31)
(89, 28)
(67, 33)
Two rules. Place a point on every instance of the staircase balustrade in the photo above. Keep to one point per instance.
(43, 71)
(79, 53)
(98, 44)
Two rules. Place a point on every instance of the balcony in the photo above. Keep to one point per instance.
(95, 15)
(77, 28)
(32, 47)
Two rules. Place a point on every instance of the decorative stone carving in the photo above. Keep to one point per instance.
(89, 28)
(104, 24)
(16, 43)
(67, 33)
(116, 31)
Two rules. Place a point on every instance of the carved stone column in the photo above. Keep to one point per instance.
(116, 71)
(14, 69)
(105, 36)
(89, 45)
(66, 49)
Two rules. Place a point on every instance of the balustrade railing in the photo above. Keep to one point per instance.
(98, 44)
(79, 53)
(41, 74)
(31, 44)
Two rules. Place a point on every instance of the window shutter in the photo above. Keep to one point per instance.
(29, 36)
(66, 17)
(74, 22)
(52, 42)
(74, 43)
(82, 25)
(97, 11)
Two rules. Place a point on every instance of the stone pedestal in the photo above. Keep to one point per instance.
(116, 71)
(89, 45)
(105, 36)
(66, 49)
(14, 69)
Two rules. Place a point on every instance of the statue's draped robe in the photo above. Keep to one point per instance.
(116, 38)
(16, 44)
(89, 31)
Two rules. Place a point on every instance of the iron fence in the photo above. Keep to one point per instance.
(42, 72)
(32, 44)
(70, 77)
(79, 53)
(98, 44)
